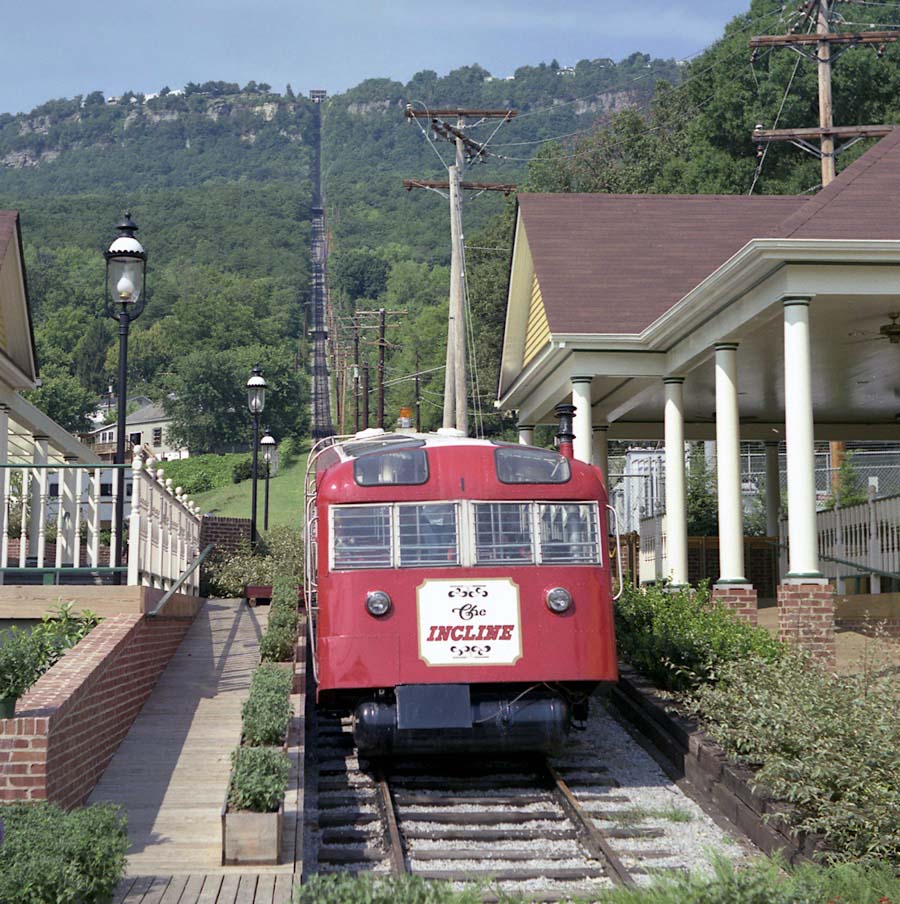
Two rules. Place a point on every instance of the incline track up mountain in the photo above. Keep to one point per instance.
(322, 424)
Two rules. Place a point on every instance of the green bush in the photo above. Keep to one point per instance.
(267, 710)
(26, 655)
(259, 777)
(762, 882)
(828, 745)
(680, 638)
(277, 644)
(48, 855)
(201, 473)
(243, 470)
(280, 551)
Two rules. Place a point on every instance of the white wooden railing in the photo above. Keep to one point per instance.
(858, 540)
(58, 515)
(652, 562)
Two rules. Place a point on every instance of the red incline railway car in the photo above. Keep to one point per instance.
(458, 590)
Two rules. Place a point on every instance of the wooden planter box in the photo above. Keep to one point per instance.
(255, 593)
(251, 838)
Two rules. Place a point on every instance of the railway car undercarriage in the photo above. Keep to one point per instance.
(462, 718)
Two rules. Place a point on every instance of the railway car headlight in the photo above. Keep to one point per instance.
(558, 599)
(378, 603)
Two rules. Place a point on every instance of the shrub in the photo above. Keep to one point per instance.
(26, 655)
(201, 473)
(828, 745)
(259, 777)
(243, 470)
(267, 710)
(680, 638)
(763, 882)
(277, 644)
(280, 551)
(67, 858)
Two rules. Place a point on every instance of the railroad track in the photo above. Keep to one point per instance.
(552, 829)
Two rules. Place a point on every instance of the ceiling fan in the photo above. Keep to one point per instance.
(889, 331)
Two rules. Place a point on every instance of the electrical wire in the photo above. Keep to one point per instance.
(427, 136)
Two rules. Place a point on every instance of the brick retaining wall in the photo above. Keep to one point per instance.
(68, 726)
(226, 534)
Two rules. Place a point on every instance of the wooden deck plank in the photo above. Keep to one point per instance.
(192, 887)
(175, 890)
(210, 891)
(138, 890)
(284, 889)
(228, 891)
(246, 893)
(154, 894)
(265, 889)
(123, 888)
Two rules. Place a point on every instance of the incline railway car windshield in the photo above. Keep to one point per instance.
(394, 467)
(522, 464)
(442, 534)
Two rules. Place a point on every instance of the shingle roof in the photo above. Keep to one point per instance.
(863, 202)
(7, 230)
(615, 263)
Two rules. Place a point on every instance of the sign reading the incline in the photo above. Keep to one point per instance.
(469, 622)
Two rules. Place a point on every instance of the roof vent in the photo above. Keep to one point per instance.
(451, 431)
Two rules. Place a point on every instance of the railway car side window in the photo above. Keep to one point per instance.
(361, 536)
(399, 467)
(518, 464)
(428, 534)
(503, 533)
(569, 533)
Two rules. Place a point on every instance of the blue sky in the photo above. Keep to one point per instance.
(59, 48)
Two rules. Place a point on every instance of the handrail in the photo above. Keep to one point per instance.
(868, 569)
(184, 576)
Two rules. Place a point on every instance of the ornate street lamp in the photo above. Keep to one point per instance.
(268, 447)
(126, 274)
(256, 402)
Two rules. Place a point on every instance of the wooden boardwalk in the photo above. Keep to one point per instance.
(244, 888)
(171, 772)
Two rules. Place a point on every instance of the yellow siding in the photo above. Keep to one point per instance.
(3, 341)
(537, 333)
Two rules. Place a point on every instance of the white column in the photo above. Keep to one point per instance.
(601, 451)
(773, 489)
(728, 453)
(65, 539)
(676, 489)
(134, 523)
(526, 434)
(37, 528)
(803, 560)
(581, 399)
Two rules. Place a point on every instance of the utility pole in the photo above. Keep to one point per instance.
(826, 132)
(381, 344)
(355, 374)
(418, 397)
(365, 370)
(825, 43)
(467, 149)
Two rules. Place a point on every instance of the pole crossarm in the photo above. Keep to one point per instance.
(506, 187)
(879, 38)
(816, 132)
(412, 113)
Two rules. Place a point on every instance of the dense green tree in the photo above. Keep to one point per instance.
(62, 397)
(208, 403)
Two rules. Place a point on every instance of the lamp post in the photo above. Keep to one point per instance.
(126, 274)
(256, 402)
(268, 447)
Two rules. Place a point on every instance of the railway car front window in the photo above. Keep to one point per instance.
(518, 464)
(362, 536)
(569, 533)
(428, 535)
(398, 467)
(503, 533)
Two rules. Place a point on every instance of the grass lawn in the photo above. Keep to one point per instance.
(285, 498)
